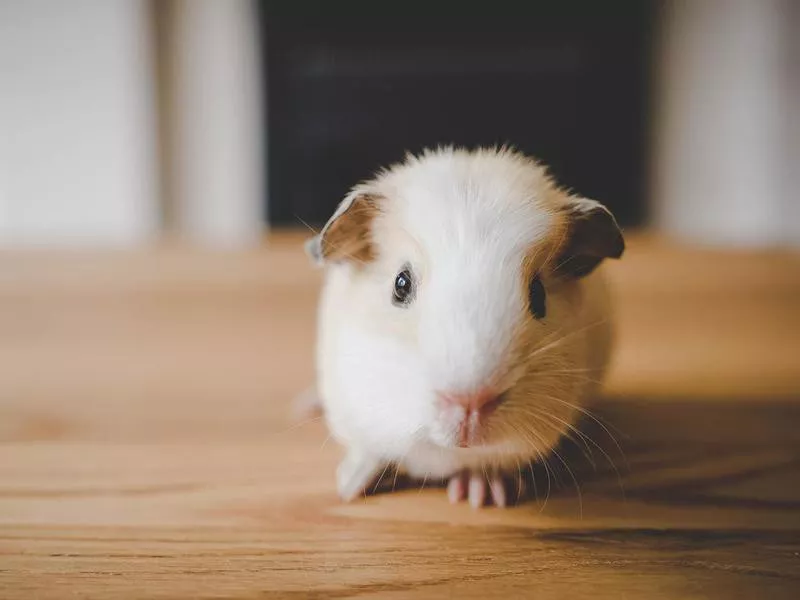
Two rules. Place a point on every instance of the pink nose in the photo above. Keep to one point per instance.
(483, 401)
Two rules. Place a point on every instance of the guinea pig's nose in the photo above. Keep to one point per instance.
(483, 401)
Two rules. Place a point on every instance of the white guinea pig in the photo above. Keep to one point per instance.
(463, 322)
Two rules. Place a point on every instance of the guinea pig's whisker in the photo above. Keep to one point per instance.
(581, 435)
(587, 453)
(596, 420)
(566, 336)
(580, 442)
(424, 481)
(550, 477)
(398, 465)
(521, 433)
(577, 377)
(301, 424)
(586, 438)
(607, 457)
(574, 480)
(325, 441)
(547, 473)
(394, 480)
(571, 375)
(611, 437)
(553, 452)
(574, 370)
(377, 483)
(578, 331)
(519, 481)
(549, 342)
(307, 226)
(543, 458)
(562, 263)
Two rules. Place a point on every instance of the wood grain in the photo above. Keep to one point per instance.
(146, 451)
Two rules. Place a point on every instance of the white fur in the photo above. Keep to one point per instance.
(463, 221)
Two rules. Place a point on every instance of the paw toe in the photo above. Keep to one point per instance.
(457, 488)
(497, 488)
(477, 491)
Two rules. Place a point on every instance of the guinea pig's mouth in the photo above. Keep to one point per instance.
(491, 406)
(473, 430)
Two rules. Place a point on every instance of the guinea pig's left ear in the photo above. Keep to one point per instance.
(592, 236)
(348, 233)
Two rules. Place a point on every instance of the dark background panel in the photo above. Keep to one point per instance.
(350, 89)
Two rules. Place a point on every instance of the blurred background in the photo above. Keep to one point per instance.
(125, 121)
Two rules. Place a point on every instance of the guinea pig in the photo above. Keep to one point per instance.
(463, 322)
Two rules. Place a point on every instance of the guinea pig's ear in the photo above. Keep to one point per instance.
(592, 235)
(348, 233)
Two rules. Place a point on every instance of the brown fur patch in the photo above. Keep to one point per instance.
(543, 258)
(525, 340)
(349, 237)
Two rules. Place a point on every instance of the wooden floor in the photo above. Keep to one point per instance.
(145, 449)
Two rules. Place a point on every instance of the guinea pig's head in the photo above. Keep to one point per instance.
(458, 323)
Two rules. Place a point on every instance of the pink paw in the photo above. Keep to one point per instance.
(480, 488)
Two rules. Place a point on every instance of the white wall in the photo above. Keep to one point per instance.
(217, 150)
(725, 171)
(791, 68)
(78, 157)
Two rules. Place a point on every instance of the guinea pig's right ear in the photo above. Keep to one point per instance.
(592, 235)
(348, 233)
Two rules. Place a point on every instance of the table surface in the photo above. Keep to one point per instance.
(146, 449)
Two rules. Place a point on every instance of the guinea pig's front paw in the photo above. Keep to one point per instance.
(356, 471)
(480, 488)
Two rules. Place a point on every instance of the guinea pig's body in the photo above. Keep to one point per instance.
(464, 322)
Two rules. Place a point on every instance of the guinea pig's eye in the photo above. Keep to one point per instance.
(536, 298)
(403, 288)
